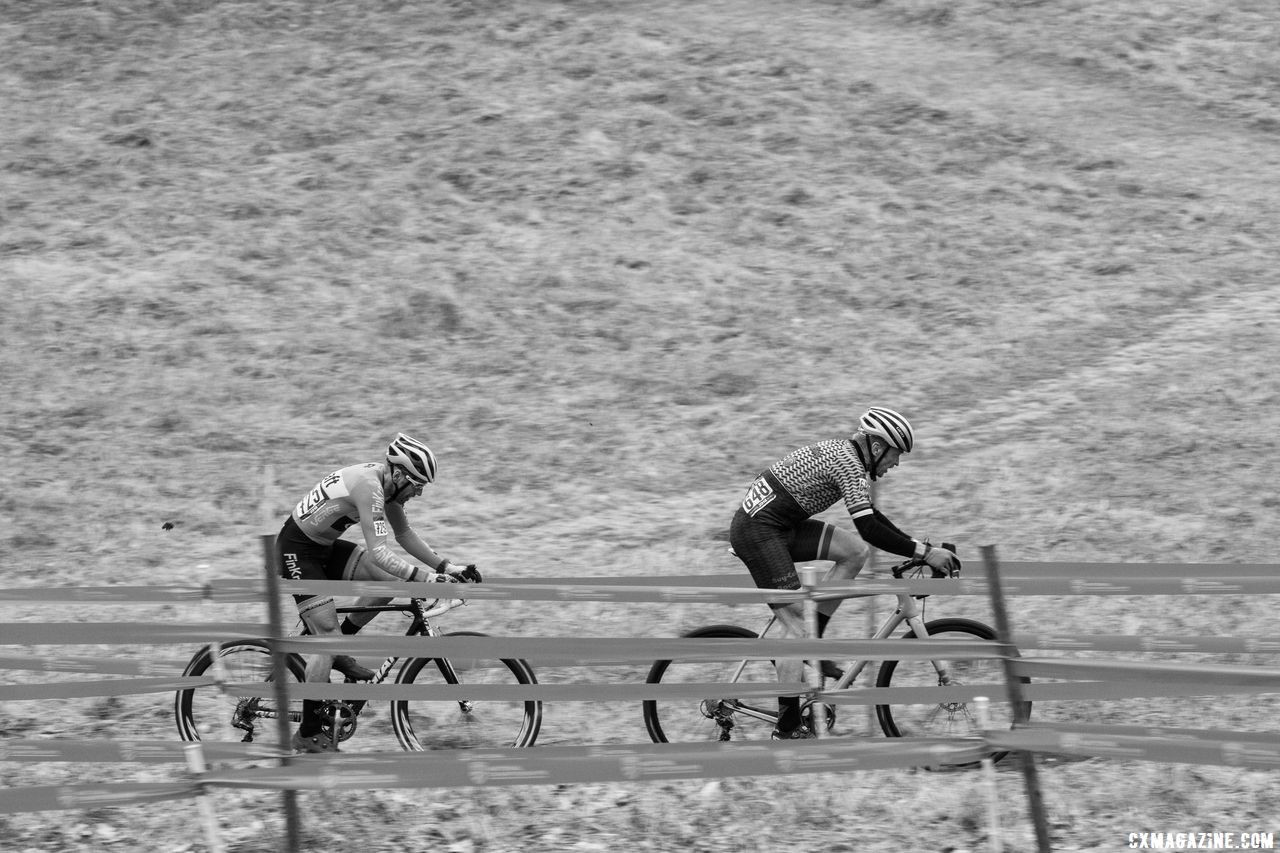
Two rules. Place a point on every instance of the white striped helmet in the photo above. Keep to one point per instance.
(890, 426)
(414, 457)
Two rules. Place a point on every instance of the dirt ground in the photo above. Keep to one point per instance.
(610, 260)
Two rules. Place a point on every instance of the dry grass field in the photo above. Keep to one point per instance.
(610, 259)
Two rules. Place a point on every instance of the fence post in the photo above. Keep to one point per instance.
(870, 614)
(208, 818)
(280, 674)
(869, 566)
(808, 580)
(1013, 685)
(981, 706)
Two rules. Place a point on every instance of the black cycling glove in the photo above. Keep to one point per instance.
(470, 574)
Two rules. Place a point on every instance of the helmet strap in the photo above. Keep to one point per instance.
(873, 469)
(395, 495)
(870, 469)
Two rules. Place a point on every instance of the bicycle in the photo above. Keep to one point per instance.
(202, 712)
(722, 717)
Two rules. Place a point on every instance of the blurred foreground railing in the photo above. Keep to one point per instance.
(263, 766)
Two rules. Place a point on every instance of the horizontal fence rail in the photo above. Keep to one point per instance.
(130, 751)
(126, 633)
(1184, 746)
(1101, 580)
(1051, 678)
(620, 763)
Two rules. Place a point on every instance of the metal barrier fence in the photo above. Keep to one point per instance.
(1081, 679)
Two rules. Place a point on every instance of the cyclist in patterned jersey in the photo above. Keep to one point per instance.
(774, 529)
(373, 495)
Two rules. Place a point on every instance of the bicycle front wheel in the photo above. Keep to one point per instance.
(209, 713)
(951, 718)
(461, 723)
(718, 714)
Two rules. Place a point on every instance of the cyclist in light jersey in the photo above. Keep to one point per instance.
(773, 529)
(372, 495)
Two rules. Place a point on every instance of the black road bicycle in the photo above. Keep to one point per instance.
(214, 713)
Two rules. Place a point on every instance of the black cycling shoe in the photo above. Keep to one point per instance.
(830, 670)
(348, 666)
(800, 732)
(313, 743)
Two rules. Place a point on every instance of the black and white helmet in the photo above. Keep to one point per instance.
(889, 425)
(414, 457)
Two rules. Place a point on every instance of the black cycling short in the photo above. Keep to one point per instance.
(771, 551)
(302, 558)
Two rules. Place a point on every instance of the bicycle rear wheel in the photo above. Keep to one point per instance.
(207, 713)
(952, 718)
(422, 724)
(718, 715)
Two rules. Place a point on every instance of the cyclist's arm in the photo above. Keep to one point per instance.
(408, 539)
(883, 519)
(877, 530)
(372, 507)
(880, 532)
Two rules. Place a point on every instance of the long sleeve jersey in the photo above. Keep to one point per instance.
(355, 495)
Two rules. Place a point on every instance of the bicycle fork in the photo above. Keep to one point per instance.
(910, 611)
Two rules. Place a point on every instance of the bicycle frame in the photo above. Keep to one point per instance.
(420, 625)
(419, 722)
(908, 611)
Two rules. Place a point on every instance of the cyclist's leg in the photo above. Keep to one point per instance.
(818, 540)
(321, 615)
(302, 559)
(359, 566)
(765, 551)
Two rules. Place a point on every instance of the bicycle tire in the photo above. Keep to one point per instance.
(721, 716)
(424, 724)
(949, 719)
(207, 713)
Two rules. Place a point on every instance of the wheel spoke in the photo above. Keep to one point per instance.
(721, 717)
(952, 718)
(207, 713)
(422, 724)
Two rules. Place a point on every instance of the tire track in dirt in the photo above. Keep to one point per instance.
(1142, 131)
(1143, 127)
(1172, 360)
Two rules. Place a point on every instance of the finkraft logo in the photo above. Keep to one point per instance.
(291, 567)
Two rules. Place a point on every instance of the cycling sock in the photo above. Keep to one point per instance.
(788, 713)
(311, 723)
(823, 619)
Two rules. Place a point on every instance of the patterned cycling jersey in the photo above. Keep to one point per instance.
(811, 479)
(350, 495)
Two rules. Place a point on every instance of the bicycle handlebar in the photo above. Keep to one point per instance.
(437, 606)
(914, 567)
